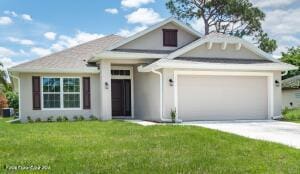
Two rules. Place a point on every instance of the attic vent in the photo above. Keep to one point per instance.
(170, 37)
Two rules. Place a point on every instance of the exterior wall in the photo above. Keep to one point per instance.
(146, 96)
(154, 39)
(168, 95)
(290, 96)
(217, 52)
(26, 98)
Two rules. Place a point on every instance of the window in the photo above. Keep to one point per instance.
(170, 37)
(120, 72)
(61, 93)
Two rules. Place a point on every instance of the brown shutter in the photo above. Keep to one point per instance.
(86, 93)
(36, 93)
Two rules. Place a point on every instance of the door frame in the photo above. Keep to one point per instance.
(130, 77)
(270, 84)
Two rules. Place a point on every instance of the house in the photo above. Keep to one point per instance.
(168, 66)
(291, 92)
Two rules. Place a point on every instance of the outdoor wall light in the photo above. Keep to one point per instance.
(106, 85)
(277, 83)
(171, 82)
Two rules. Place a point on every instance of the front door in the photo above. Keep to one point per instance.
(121, 97)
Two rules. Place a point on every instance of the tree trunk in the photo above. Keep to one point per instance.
(206, 27)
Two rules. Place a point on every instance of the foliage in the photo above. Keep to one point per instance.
(291, 114)
(37, 120)
(292, 56)
(234, 17)
(50, 119)
(173, 115)
(92, 117)
(13, 99)
(81, 118)
(3, 101)
(65, 118)
(122, 147)
(59, 119)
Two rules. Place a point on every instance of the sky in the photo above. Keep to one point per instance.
(33, 28)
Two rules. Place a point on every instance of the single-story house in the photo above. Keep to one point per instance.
(291, 92)
(166, 67)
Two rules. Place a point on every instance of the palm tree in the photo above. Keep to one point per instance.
(3, 78)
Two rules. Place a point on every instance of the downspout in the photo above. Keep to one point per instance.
(161, 96)
(19, 92)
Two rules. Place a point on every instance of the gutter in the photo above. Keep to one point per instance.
(19, 91)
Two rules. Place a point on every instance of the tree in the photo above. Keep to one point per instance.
(3, 78)
(292, 56)
(234, 17)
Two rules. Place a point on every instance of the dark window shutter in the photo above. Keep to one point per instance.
(170, 37)
(86, 93)
(36, 93)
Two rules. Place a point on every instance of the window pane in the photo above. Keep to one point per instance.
(51, 84)
(51, 101)
(71, 100)
(71, 85)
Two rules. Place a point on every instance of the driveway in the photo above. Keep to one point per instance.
(269, 130)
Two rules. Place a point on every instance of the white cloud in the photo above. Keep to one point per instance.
(135, 3)
(144, 16)
(5, 52)
(8, 62)
(50, 35)
(11, 13)
(4, 20)
(26, 17)
(198, 25)
(112, 10)
(21, 41)
(127, 33)
(40, 51)
(282, 21)
(272, 3)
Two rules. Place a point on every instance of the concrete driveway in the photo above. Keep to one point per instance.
(269, 130)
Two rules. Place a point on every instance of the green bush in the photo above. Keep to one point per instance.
(65, 118)
(173, 115)
(12, 99)
(50, 119)
(59, 119)
(92, 117)
(291, 114)
(75, 118)
(81, 118)
(38, 120)
(29, 119)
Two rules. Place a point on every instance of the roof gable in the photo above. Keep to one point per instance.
(171, 21)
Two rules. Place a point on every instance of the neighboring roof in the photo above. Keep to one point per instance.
(74, 59)
(154, 27)
(221, 38)
(220, 65)
(292, 82)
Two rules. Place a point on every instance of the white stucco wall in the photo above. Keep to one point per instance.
(154, 39)
(26, 98)
(291, 96)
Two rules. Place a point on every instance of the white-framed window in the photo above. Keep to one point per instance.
(61, 93)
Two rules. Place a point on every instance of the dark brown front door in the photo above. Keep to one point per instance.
(121, 97)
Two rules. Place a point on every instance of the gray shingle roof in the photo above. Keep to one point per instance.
(72, 58)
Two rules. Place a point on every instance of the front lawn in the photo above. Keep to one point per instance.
(121, 147)
(292, 115)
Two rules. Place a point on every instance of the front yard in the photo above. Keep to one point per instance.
(121, 147)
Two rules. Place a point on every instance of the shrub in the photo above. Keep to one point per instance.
(29, 119)
(65, 118)
(59, 119)
(75, 118)
(285, 110)
(81, 118)
(291, 114)
(12, 99)
(38, 120)
(92, 117)
(50, 119)
(3, 101)
(173, 115)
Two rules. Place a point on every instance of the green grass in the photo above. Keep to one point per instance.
(292, 115)
(121, 147)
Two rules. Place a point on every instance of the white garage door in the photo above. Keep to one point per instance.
(203, 97)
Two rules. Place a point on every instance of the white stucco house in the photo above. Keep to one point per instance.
(291, 92)
(168, 66)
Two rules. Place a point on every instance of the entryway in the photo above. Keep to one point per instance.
(121, 97)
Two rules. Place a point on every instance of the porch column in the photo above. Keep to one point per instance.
(105, 90)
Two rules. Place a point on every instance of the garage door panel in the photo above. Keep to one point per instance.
(222, 97)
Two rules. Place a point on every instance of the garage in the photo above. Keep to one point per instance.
(221, 97)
